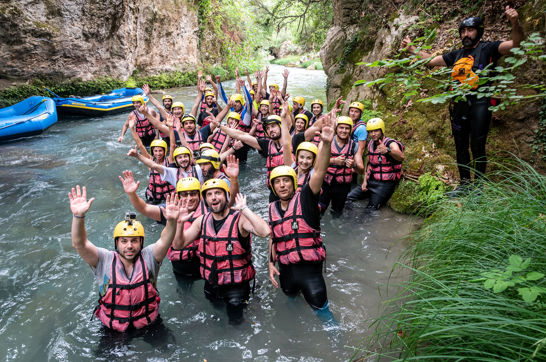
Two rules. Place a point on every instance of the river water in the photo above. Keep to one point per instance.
(47, 293)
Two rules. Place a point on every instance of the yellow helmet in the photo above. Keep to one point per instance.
(270, 119)
(357, 105)
(252, 92)
(345, 120)
(158, 143)
(283, 171)
(237, 97)
(210, 156)
(138, 98)
(317, 101)
(308, 146)
(188, 184)
(375, 123)
(205, 146)
(181, 151)
(209, 94)
(178, 105)
(299, 100)
(166, 96)
(304, 117)
(208, 89)
(265, 102)
(274, 85)
(188, 118)
(214, 183)
(234, 115)
(129, 227)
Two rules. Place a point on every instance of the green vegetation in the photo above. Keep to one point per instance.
(294, 60)
(477, 289)
(418, 197)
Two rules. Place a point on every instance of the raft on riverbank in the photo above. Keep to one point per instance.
(27, 118)
(117, 101)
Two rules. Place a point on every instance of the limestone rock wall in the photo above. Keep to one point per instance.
(89, 38)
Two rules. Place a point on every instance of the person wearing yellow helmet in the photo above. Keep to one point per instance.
(157, 187)
(298, 104)
(205, 105)
(384, 168)
(470, 115)
(184, 261)
(224, 248)
(300, 123)
(141, 124)
(125, 302)
(259, 116)
(294, 219)
(164, 108)
(317, 107)
(359, 133)
(242, 103)
(275, 96)
(339, 176)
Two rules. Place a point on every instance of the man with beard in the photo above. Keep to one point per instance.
(270, 147)
(127, 276)
(296, 242)
(297, 108)
(142, 121)
(205, 104)
(224, 247)
(470, 118)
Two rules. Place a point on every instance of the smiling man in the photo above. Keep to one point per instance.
(126, 276)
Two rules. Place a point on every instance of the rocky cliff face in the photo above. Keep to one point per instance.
(85, 39)
(369, 30)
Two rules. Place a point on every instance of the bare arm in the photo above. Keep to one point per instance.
(285, 138)
(264, 88)
(436, 61)
(147, 161)
(516, 36)
(359, 157)
(130, 187)
(285, 82)
(323, 157)
(199, 98)
(162, 245)
(126, 126)
(249, 221)
(232, 171)
(79, 207)
(242, 136)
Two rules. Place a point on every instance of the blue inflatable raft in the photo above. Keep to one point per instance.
(119, 100)
(27, 118)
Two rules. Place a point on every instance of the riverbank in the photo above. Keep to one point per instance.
(477, 289)
(300, 61)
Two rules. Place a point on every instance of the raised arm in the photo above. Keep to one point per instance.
(436, 61)
(154, 119)
(199, 98)
(79, 205)
(286, 140)
(264, 86)
(232, 171)
(130, 187)
(237, 81)
(240, 135)
(285, 82)
(131, 116)
(170, 211)
(249, 221)
(516, 36)
(213, 85)
(323, 157)
(248, 78)
(155, 102)
(147, 161)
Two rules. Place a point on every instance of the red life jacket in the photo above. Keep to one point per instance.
(274, 158)
(189, 252)
(241, 126)
(259, 133)
(384, 167)
(157, 189)
(223, 260)
(342, 174)
(194, 141)
(293, 239)
(128, 301)
(143, 127)
(218, 139)
(276, 105)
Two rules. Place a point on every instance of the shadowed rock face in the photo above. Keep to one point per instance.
(86, 39)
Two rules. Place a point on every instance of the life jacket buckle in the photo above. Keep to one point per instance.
(295, 225)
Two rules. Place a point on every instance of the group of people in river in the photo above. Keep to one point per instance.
(312, 162)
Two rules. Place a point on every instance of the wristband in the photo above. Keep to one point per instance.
(78, 217)
(245, 207)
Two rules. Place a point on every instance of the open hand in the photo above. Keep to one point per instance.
(146, 89)
(171, 209)
(232, 166)
(133, 152)
(183, 214)
(240, 202)
(129, 184)
(79, 205)
(272, 272)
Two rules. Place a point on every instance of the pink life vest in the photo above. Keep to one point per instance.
(158, 189)
(384, 167)
(194, 141)
(342, 174)
(223, 260)
(128, 301)
(259, 133)
(143, 127)
(218, 139)
(276, 106)
(189, 252)
(293, 239)
(303, 179)
(274, 158)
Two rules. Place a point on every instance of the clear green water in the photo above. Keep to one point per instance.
(47, 293)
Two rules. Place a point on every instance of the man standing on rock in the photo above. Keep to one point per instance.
(470, 118)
